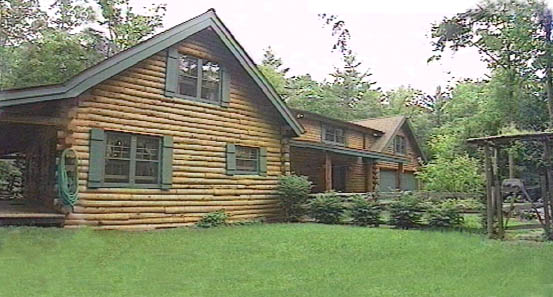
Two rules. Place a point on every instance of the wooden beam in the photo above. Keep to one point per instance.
(398, 175)
(328, 172)
(31, 120)
(489, 192)
(498, 195)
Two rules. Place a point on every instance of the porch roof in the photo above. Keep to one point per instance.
(348, 151)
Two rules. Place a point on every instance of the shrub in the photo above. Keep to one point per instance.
(213, 219)
(406, 212)
(293, 191)
(327, 208)
(365, 213)
(444, 215)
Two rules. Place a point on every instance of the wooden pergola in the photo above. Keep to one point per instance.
(492, 146)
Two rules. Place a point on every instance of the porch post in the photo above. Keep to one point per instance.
(398, 175)
(368, 174)
(328, 172)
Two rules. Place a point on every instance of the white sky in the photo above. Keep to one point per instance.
(390, 37)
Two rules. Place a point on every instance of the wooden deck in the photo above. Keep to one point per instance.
(23, 213)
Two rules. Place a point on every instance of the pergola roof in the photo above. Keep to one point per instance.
(500, 139)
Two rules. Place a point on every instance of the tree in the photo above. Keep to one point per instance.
(512, 38)
(37, 49)
(125, 27)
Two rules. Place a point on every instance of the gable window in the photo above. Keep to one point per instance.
(199, 79)
(120, 159)
(196, 79)
(399, 145)
(333, 135)
(246, 160)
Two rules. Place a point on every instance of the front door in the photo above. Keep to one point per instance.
(339, 178)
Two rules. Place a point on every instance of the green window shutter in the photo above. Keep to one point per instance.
(167, 162)
(96, 162)
(225, 87)
(231, 159)
(171, 72)
(263, 161)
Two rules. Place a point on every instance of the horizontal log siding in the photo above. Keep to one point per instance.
(134, 102)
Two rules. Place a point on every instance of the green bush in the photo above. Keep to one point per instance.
(293, 191)
(365, 213)
(327, 208)
(213, 219)
(406, 212)
(444, 215)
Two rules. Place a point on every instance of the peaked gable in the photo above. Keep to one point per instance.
(391, 126)
(130, 57)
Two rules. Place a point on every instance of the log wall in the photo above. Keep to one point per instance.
(356, 138)
(134, 101)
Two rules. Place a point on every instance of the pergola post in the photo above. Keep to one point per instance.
(498, 195)
(547, 195)
(489, 192)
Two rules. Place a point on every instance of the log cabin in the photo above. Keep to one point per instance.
(379, 154)
(178, 126)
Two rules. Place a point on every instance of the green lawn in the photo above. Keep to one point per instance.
(270, 260)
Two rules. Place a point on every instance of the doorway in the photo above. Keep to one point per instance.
(339, 178)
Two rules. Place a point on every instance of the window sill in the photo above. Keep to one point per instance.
(127, 186)
(196, 99)
(334, 143)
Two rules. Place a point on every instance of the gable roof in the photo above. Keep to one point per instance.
(390, 126)
(128, 58)
(314, 115)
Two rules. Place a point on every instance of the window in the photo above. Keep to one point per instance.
(333, 135)
(399, 145)
(199, 79)
(247, 160)
(125, 160)
(132, 159)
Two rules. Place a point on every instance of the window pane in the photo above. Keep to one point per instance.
(147, 148)
(211, 79)
(246, 165)
(246, 152)
(188, 86)
(117, 171)
(247, 159)
(146, 172)
(329, 134)
(188, 66)
(118, 146)
(188, 76)
(340, 136)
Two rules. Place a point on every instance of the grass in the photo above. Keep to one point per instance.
(270, 260)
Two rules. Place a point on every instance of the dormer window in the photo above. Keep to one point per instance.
(333, 135)
(198, 79)
(399, 145)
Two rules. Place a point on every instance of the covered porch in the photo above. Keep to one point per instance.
(338, 169)
(28, 151)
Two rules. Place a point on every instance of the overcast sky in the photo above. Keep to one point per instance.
(390, 37)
